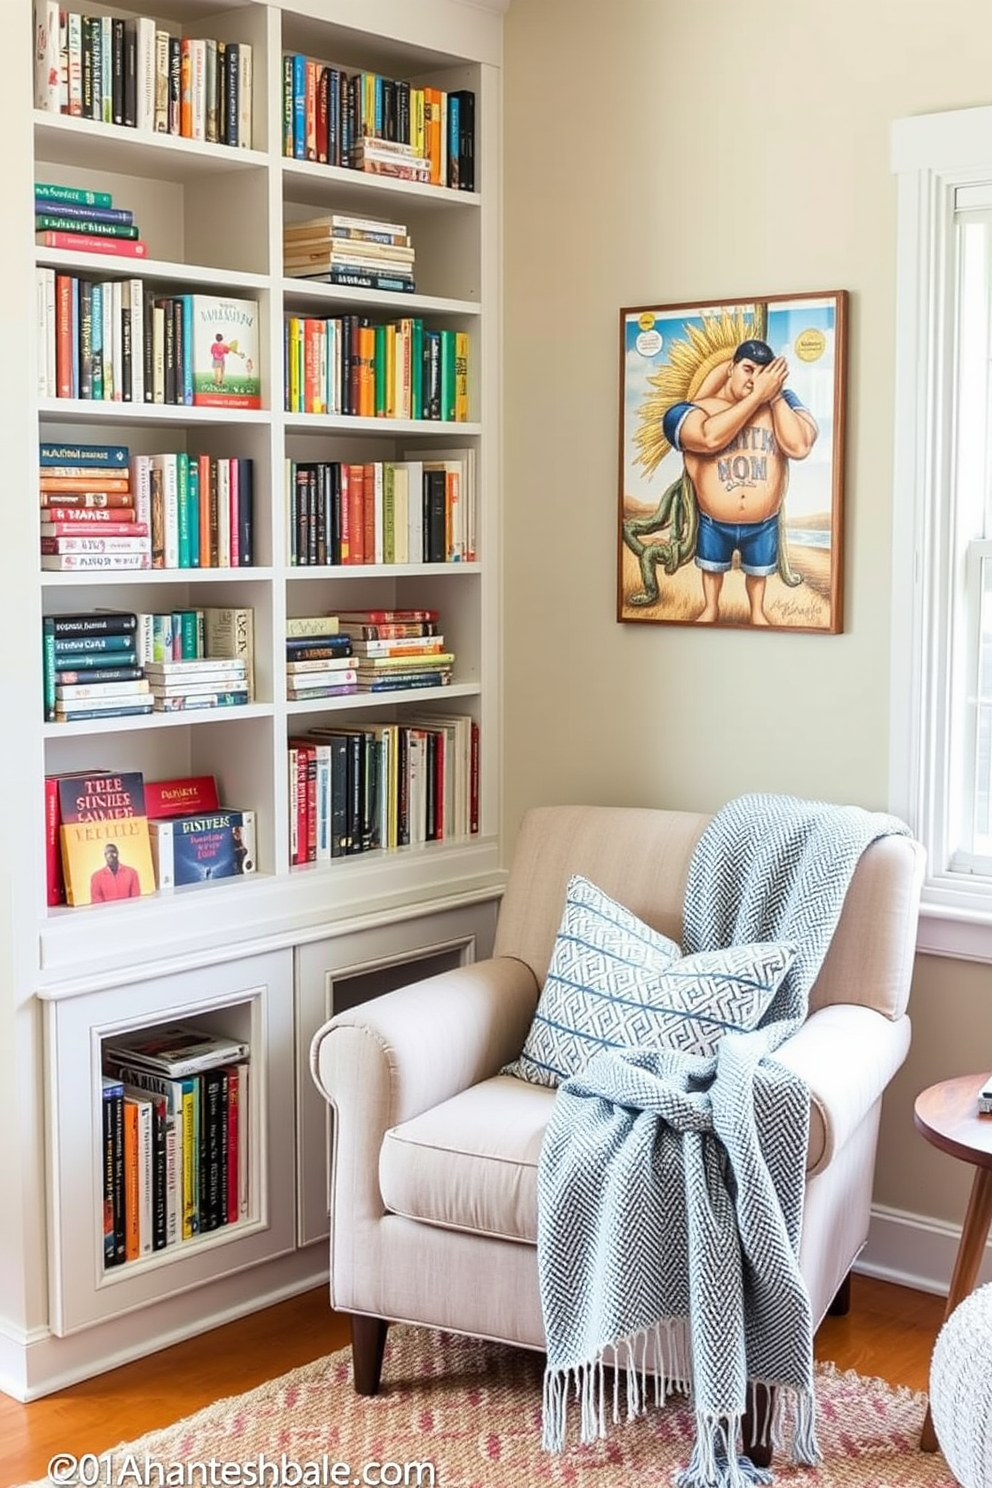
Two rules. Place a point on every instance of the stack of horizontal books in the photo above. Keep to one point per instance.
(208, 682)
(85, 221)
(361, 252)
(91, 667)
(319, 660)
(88, 519)
(397, 650)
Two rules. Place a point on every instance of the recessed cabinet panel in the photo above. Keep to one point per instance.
(249, 1002)
(343, 971)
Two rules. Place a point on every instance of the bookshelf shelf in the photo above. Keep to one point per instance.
(89, 145)
(274, 951)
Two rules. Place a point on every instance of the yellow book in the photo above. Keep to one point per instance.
(190, 1161)
(295, 362)
(461, 376)
(106, 849)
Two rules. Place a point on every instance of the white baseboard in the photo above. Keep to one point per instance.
(914, 1251)
(37, 1364)
(906, 1248)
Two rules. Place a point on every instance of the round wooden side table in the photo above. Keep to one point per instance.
(947, 1115)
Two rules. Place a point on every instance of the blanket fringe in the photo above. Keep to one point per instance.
(633, 1357)
(715, 1462)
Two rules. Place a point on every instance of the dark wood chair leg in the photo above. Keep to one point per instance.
(841, 1305)
(762, 1401)
(368, 1344)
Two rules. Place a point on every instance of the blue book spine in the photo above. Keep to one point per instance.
(451, 178)
(182, 469)
(122, 215)
(113, 456)
(129, 711)
(48, 666)
(187, 367)
(299, 106)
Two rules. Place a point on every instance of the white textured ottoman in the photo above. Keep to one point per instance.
(961, 1390)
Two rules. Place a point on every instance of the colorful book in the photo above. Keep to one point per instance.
(225, 352)
(108, 457)
(198, 848)
(89, 243)
(106, 851)
(113, 1171)
(180, 796)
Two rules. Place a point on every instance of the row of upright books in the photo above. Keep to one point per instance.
(359, 788)
(135, 73)
(407, 511)
(116, 663)
(116, 340)
(102, 507)
(349, 364)
(176, 1159)
(367, 121)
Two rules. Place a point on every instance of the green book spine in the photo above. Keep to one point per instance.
(48, 674)
(45, 221)
(46, 191)
(448, 375)
(416, 368)
(379, 368)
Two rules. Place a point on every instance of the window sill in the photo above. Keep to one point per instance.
(956, 921)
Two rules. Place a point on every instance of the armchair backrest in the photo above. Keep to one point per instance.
(640, 856)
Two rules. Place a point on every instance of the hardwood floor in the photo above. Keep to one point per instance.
(889, 1332)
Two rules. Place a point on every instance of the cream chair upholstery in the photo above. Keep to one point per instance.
(434, 1153)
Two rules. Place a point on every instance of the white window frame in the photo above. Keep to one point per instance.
(934, 157)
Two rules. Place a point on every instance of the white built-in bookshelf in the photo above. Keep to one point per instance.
(266, 957)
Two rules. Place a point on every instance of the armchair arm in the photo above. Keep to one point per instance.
(847, 1055)
(386, 1060)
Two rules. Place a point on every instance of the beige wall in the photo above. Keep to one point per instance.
(662, 152)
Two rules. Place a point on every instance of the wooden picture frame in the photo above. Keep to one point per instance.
(732, 463)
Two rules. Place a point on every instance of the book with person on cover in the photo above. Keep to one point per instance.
(174, 1049)
(225, 361)
(201, 847)
(106, 850)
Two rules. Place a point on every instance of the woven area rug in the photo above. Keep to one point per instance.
(469, 1414)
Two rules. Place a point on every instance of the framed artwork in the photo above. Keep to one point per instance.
(732, 463)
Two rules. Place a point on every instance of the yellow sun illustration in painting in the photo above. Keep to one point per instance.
(682, 377)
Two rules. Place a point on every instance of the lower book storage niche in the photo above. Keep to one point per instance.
(223, 1215)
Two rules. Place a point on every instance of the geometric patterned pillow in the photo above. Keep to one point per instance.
(614, 982)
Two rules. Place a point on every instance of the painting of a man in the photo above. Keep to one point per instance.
(713, 420)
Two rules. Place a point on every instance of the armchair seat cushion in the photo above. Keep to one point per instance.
(471, 1163)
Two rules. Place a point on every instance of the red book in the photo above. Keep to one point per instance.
(356, 514)
(53, 848)
(118, 247)
(375, 617)
(233, 1073)
(70, 500)
(181, 796)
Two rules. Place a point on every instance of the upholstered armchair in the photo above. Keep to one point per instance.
(434, 1152)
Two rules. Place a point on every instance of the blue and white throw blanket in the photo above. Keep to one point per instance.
(670, 1187)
